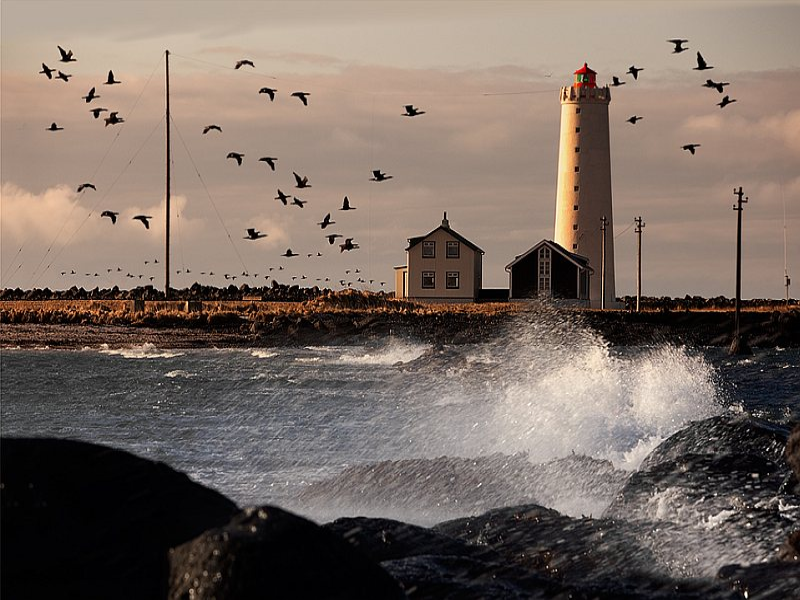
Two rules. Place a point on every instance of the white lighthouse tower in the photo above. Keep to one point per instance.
(583, 196)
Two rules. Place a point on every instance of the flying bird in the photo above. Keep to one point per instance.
(111, 80)
(66, 55)
(346, 204)
(54, 127)
(297, 202)
(302, 182)
(254, 234)
(269, 91)
(47, 71)
(725, 101)
(110, 214)
(690, 147)
(144, 219)
(282, 197)
(83, 186)
(64, 76)
(633, 119)
(208, 128)
(717, 86)
(348, 245)
(303, 97)
(332, 237)
(96, 111)
(634, 71)
(411, 111)
(678, 45)
(326, 221)
(236, 155)
(90, 96)
(270, 160)
(289, 253)
(113, 119)
(615, 81)
(702, 65)
(241, 63)
(378, 176)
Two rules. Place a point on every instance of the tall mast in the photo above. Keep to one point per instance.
(167, 209)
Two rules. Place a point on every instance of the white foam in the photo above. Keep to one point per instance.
(143, 351)
(393, 352)
(263, 353)
(179, 373)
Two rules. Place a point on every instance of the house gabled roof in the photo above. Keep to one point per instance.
(445, 227)
(579, 261)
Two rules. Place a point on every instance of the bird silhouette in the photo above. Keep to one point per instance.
(690, 147)
(254, 234)
(268, 91)
(326, 221)
(241, 63)
(111, 80)
(378, 176)
(64, 76)
(54, 127)
(83, 186)
(47, 71)
(302, 182)
(66, 55)
(678, 45)
(110, 214)
(616, 82)
(113, 119)
(634, 71)
(702, 65)
(717, 86)
(297, 202)
(238, 156)
(282, 197)
(145, 219)
(332, 237)
(96, 111)
(208, 128)
(725, 101)
(289, 253)
(90, 96)
(348, 245)
(633, 119)
(412, 112)
(303, 97)
(346, 204)
(270, 160)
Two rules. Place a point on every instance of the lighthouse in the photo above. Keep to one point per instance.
(584, 218)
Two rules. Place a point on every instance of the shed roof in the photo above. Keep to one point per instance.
(579, 261)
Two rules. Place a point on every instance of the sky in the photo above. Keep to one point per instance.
(487, 75)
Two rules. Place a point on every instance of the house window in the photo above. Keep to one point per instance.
(428, 280)
(428, 249)
(453, 249)
(452, 280)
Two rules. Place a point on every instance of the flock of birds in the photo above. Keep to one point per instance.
(702, 65)
(251, 233)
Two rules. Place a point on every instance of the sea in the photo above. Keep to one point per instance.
(410, 430)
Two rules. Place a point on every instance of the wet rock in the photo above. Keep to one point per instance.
(790, 549)
(268, 552)
(792, 452)
(765, 581)
(82, 520)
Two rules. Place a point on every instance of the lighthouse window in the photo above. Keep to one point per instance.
(577, 169)
(574, 207)
(577, 130)
(575, 227)
(577, 111)
(575, 188)
(577, 148)
(574, 246)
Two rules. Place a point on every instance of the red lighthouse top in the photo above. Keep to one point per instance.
(585, 77)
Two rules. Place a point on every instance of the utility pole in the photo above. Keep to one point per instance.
(604, 222)
(638, 230)
(738, 345)
(167, 198)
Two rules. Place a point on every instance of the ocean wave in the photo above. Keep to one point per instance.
(143, 351)
(392, 353)
(263, 354)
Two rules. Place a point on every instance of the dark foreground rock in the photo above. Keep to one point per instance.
(81, 520)
(268, 552)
